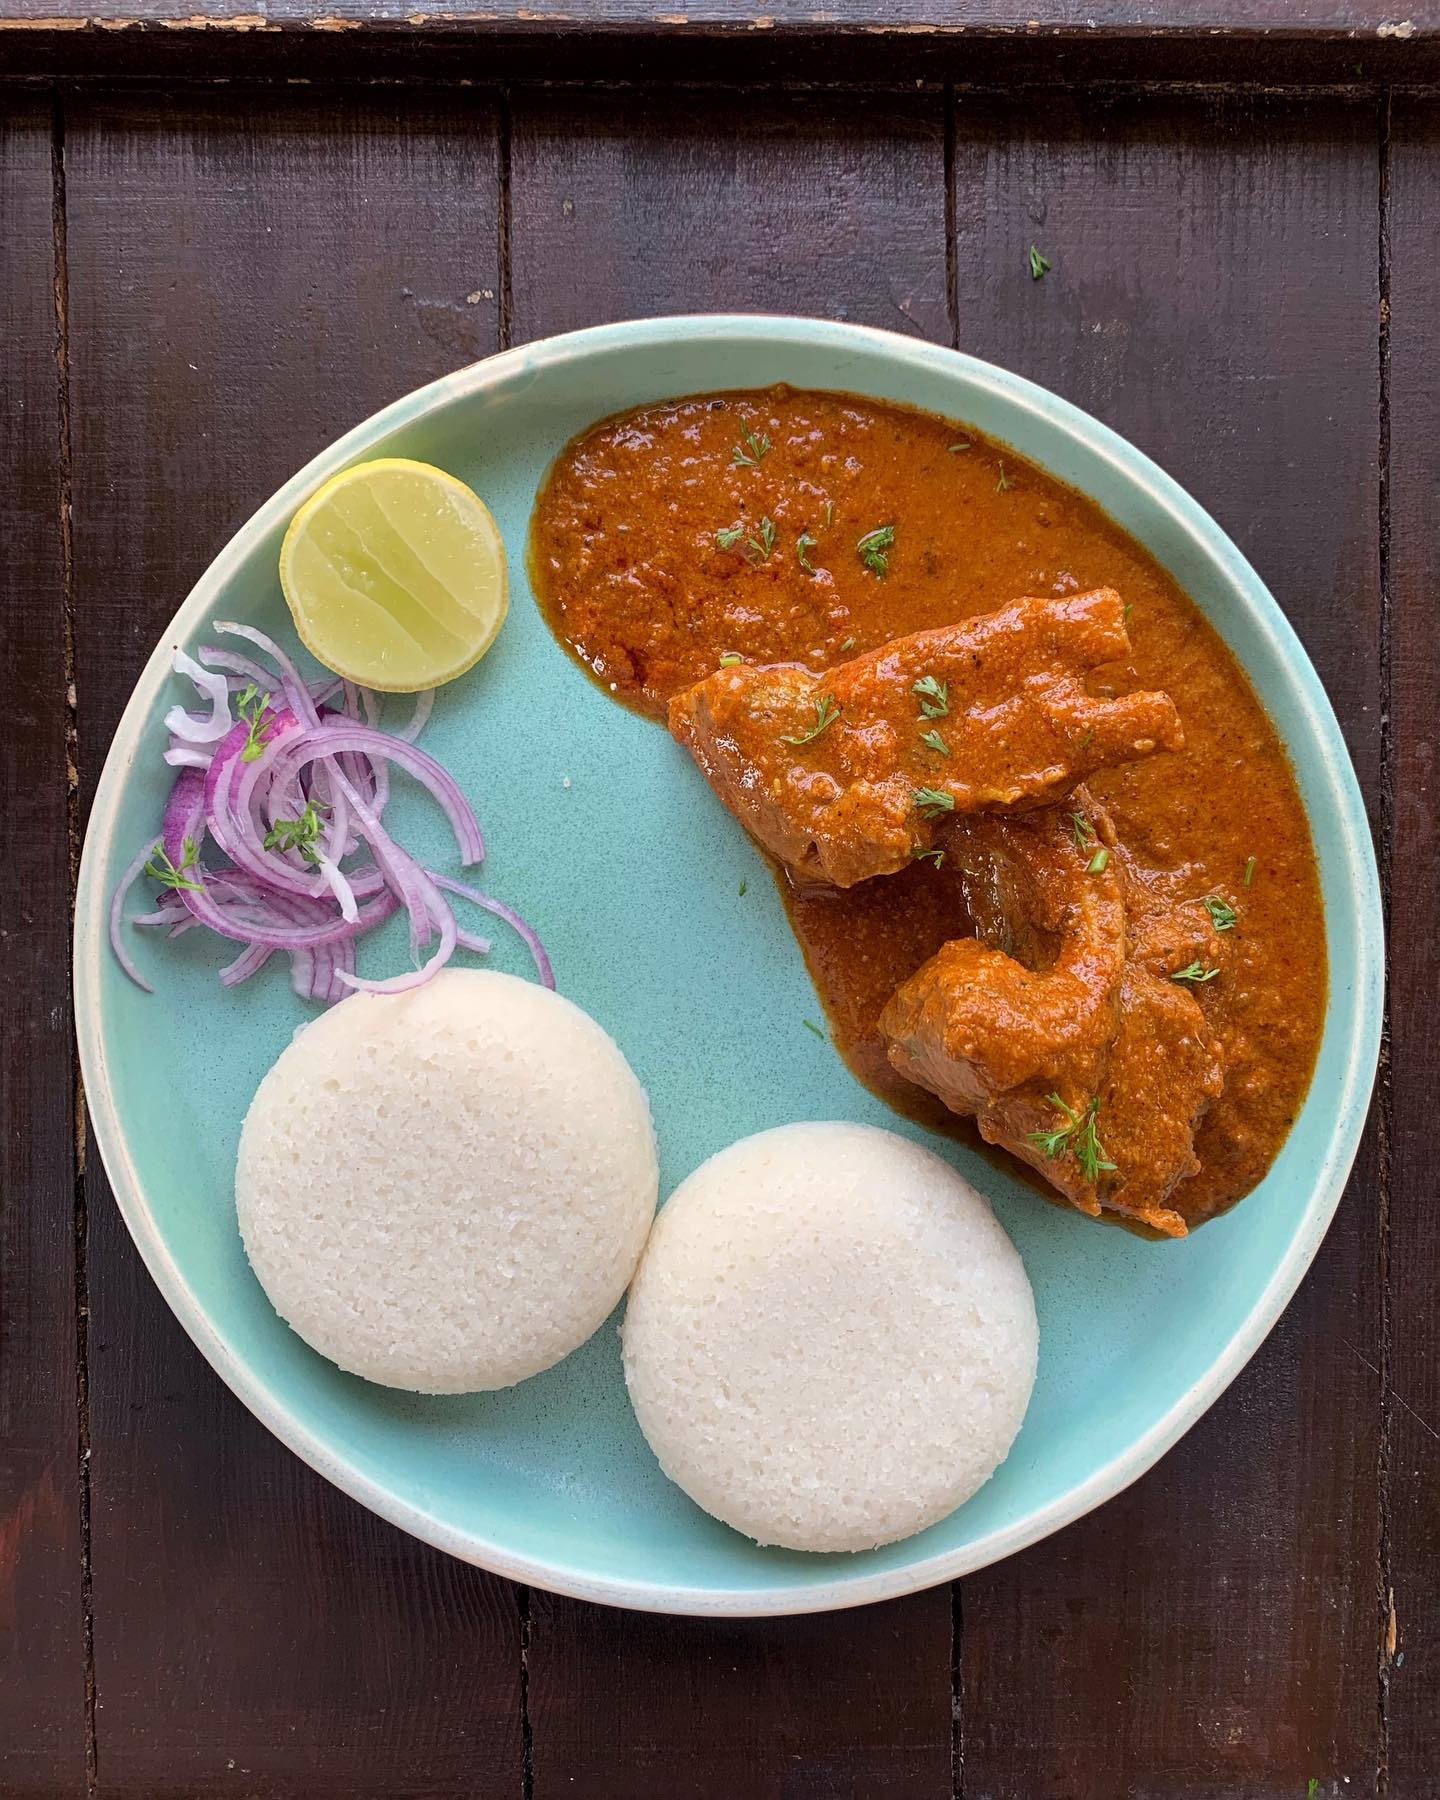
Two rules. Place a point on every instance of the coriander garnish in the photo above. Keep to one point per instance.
(849, 644)
(298, 834)
(1039, 265)
(934, 697)
(751, 450)
(810, 1025)
(933, 801)
(743, 886)
(1089, 1151)
(932, 740)
(165, 872)
(1077, 1136)
(804, 544)
(873, 548)
(1004, 484)
(757, 549)
(1195, 972)
(1084, 831)
(935, 856)
(1222, 914)
(1249, 875)
(826, 713)
(253, 708)
(730, 658)
(1096, 864)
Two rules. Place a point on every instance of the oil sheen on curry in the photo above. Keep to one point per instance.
(1037, 838)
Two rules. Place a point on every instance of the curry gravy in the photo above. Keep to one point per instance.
(733, 524)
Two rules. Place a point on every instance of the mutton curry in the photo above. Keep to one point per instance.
(1039, 842)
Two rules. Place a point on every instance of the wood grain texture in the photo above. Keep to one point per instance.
(245, 282)
(1202, 18)
(1411, 1665)
(671, 204)
(841, 1706)
(1214, 297)
(42, 1652)
(684, 202)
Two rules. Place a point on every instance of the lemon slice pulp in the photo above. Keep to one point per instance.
(395, 574)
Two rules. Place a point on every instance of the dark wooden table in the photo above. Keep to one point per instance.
(223, 239)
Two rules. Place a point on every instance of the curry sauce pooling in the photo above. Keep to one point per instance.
(783, 526)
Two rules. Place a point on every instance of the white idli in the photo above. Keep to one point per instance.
(447, 1190)
(830, 1342)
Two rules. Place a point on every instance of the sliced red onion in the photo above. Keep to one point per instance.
(304, 901)
(255, 956)
(296, 691)
(380, 771)
(117, 907)
(185, 725)
(401, 984)
(185, 819)
(424, 706)
(302, 973)
(488, 903)
(252, 926)
(342, 959)
(340, 887)
(400, 870)
(231, 821)
(246, 671)
(188, 756)
(249, 962)
(334, 736)
(163, 915)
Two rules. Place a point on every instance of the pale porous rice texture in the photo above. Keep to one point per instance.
(447, 1190)
(831, 1341)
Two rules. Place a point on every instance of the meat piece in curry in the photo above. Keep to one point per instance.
(843, 776)
(1068, 1051)
(815, 529)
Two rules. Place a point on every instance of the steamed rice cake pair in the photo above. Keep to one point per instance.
(830, 1342)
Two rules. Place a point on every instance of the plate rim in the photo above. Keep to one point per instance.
(1361, 1055)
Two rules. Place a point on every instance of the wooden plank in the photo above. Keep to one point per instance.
(42, 1652)
(680, 203)
(1411, 1654)
(1202, 18)
(672, 203)
(247, 281)
(839, 1706)
(1214, 297)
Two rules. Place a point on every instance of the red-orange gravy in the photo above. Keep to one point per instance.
(735, 524)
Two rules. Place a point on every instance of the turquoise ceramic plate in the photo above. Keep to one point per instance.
(602, 831)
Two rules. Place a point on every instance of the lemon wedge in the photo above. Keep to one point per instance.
(395, 574)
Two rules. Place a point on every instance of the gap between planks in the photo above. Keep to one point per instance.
(957, 1608)
(61, 289)
(328, 86)
(1385, 1112)
(503, 219)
